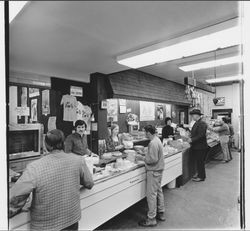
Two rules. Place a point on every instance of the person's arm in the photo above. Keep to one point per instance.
(85, 176)
(68, 145)
(21, 190)
(152, 155)
(201, 133)
(110, 144)
(219, 129)
(163, 133)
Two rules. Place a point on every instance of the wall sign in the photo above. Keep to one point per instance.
(76, 91)
(219, 101)
(147, 111)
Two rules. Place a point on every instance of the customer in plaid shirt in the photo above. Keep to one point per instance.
(54, 181)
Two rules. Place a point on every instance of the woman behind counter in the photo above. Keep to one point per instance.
(168, 131)
(223, 132)
(114, 142)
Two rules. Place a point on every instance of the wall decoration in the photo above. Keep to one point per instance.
(33, 110)
(24, 96)
(123, 109)
(84, 113)
(147, 111)
(12, 104)
(112, 110)
(219, 101)
(45, 102)
(122, 102)
(33, 92)
(22, 111)
(51, 123)
(104, 104)
(69, 103)
(173, 114)
(159, 111)
(168, 110)
(76, 91)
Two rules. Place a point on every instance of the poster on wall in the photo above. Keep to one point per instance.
(112, 110)
(123, 109)
(45, 102)
(33, 110)
(24, 96)
(168, 110)
(159, 111)
(147, 111)
(84, 113)
(33, 92)
(51, 123)
(122, 102)
(12, 104)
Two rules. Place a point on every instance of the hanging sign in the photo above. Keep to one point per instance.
(76, 91)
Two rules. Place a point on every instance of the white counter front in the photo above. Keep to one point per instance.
(112, 195)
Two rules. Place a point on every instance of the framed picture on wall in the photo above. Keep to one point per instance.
(104, 104)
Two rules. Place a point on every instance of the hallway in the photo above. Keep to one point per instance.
(206, 205)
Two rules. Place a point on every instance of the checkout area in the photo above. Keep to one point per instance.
(116, 174)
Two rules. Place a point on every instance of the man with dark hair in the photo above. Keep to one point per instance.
(54, 181)
(168, 131)
(154, 164)
(77, 142)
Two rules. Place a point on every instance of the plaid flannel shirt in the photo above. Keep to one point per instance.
(54, 181)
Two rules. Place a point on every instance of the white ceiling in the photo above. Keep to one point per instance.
(71, 39)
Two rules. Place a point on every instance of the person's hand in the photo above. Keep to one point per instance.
(119, 147)
(139, 157)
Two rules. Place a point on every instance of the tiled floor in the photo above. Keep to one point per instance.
(206, 205)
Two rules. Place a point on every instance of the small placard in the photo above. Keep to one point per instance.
(22, 111)
(76, 91)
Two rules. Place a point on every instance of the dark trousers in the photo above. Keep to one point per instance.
(199, 158)
(72, 227)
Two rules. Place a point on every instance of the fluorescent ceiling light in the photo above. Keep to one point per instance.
(177, 48)
(213, 63)
(225, 79)
(14, 8)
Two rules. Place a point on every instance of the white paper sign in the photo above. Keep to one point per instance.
(147, 111)
(22, 111)
(51, 123)
(76, 91)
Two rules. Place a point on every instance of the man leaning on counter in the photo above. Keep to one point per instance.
(54, 181)
(77, 142)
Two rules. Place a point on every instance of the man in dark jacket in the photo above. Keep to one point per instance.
(198, 142)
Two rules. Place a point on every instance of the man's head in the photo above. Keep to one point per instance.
(168, 121)
(54, 140)
(80, 127)
(224, 120)
(196, 114)
(149, 131)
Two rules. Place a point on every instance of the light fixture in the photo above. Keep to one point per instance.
(225, 79)
(14, 8)
(206, 40)
(213, 63)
